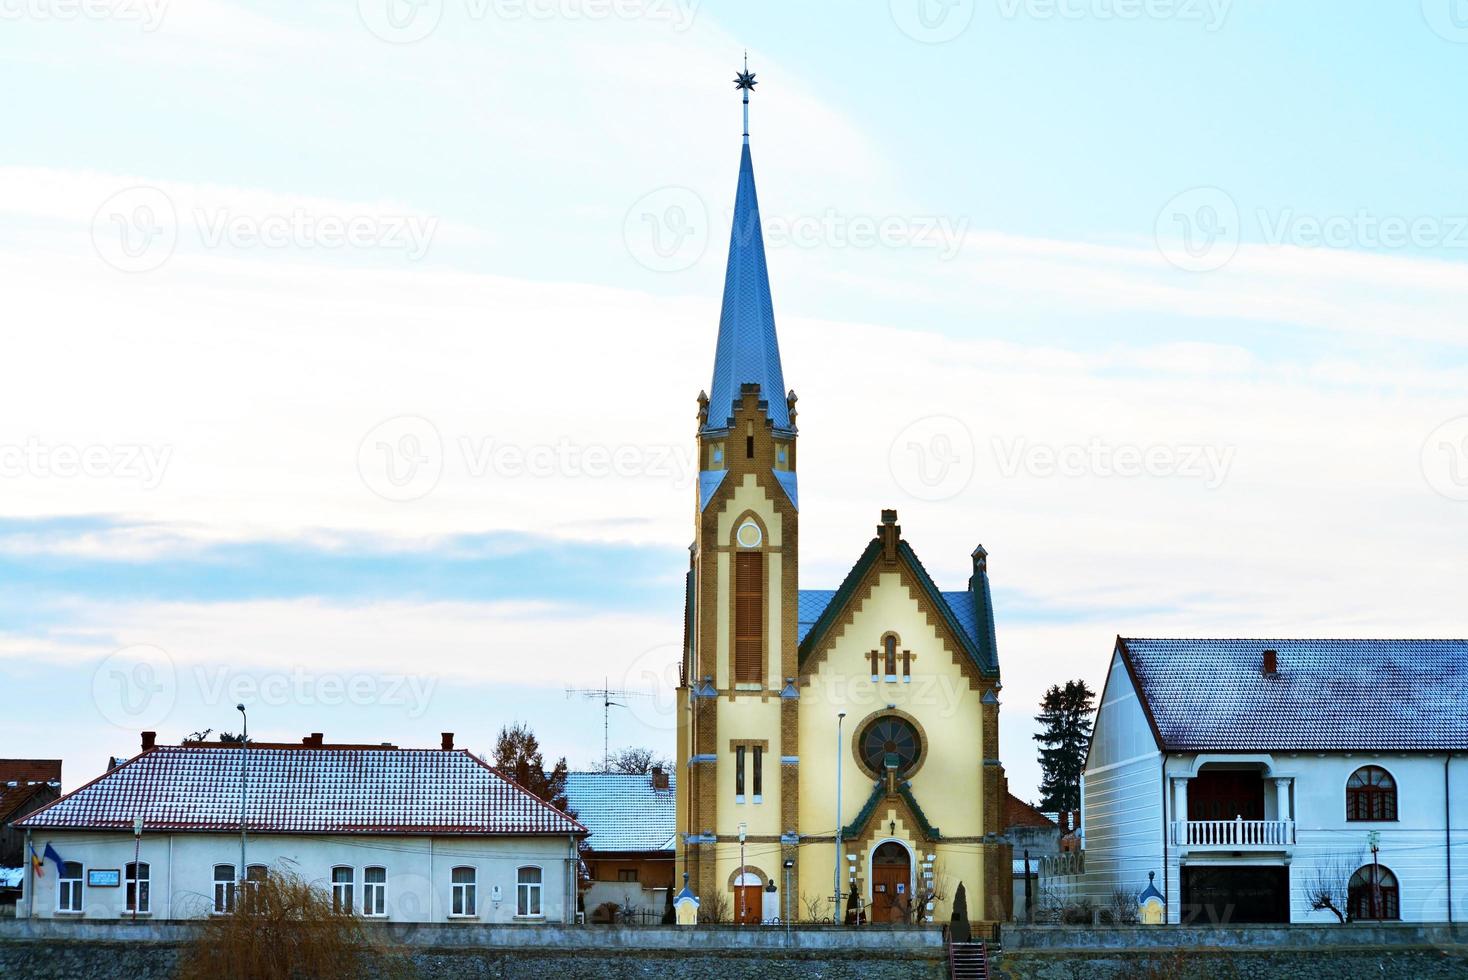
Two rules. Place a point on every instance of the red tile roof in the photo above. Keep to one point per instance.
(20, 779)
(306, 789)
(1018, 813)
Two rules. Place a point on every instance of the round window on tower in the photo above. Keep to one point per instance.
(890, 741)
(749, 535)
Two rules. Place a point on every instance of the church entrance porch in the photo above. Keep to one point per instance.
(891, 883)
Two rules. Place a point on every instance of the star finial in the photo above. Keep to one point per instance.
(745, 79)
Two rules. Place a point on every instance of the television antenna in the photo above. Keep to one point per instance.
(605, 694)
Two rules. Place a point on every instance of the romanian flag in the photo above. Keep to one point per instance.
(36, 865)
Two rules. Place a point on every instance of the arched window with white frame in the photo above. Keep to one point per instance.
(137, 876)
(341, 889)
(224, 886)
(374, 892)
(464, 900)
(528, 884)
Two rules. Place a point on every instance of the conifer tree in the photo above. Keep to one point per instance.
(1064, 736)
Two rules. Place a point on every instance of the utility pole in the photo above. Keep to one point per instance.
(605, 694)
(836, 872)
(244, 759)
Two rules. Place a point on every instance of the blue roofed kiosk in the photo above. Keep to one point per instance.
(768, 667)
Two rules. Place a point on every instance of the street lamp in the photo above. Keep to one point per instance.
(244, 756)
(836, 869)
(743, 900)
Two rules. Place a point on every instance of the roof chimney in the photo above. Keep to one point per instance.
(1271, 663)
(659, 778)
(448, 741)
(889, 532)
(149, 740)
(313, 740)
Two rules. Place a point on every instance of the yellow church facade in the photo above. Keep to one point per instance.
(885, 684)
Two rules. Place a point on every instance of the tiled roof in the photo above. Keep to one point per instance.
(21, 779)
(1018, 813)
(1327, 695)
(299, 789)
(970, 613)
(623, 812)
(809, 604)
(748, 351)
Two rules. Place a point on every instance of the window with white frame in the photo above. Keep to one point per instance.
(464, 888)
(527, 892)
(374, 891)
(137, 875)
(223, 888)
(341, 890)
(254, 876)
(69, 887)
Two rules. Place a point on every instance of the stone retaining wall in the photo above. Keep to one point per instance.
(1390, 951)
(51, 950)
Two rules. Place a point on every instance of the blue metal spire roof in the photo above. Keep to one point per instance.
(748, 351)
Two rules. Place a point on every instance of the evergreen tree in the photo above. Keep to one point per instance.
(1065, 733)
(517, 754)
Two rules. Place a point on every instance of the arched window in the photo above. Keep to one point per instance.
(341, 890)
(223, 888)
(137, 876)
(527, 892)
(69, 888)
(749, 617)
(889, 654)
(374, 891)
(1371, 794)
(1372, 894)
(463, 892)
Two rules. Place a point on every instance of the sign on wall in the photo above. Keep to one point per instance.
(104, 877)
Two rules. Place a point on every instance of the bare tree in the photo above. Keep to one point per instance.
(815, 910)
(713, 907)
(1328, 884)
(637, 761)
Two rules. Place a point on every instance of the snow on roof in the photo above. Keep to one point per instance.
(1325, 695)
(306, 789)
(623, 812)
(11, 877)
(21, 779)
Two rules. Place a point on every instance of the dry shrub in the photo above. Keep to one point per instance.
(284, 928)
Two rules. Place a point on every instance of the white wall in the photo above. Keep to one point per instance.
(418, 870)
(1122, 793)
(1414, 846)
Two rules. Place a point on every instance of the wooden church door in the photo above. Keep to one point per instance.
(891, 883)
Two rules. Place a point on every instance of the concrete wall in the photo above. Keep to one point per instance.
(104, 951)
(418, 870)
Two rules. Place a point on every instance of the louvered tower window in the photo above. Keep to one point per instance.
(749, 614)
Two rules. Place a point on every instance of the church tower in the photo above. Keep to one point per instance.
(738, 699)
(830, 741)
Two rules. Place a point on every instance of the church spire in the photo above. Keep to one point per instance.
(748, 351)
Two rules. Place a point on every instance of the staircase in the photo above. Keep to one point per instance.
(968, 961)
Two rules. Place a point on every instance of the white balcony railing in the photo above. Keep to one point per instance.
(1237, 833)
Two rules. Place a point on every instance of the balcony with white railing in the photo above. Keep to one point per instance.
(1234, 835)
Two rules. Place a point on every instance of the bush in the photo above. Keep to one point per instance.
(284, 928)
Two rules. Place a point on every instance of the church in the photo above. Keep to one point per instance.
(830, 739)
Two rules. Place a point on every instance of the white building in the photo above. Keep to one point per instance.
(1256, 776)
(406, 835)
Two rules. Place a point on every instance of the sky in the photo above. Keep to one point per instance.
(350, 350)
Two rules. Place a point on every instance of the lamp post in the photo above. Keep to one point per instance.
(244, 757)
(137, 856)
(836, 870)
(739, 879)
